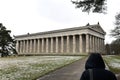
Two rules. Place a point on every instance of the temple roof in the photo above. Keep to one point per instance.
(96, 28)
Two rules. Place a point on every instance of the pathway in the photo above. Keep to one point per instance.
(70, 72)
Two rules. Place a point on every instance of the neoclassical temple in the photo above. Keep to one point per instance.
(76, 40)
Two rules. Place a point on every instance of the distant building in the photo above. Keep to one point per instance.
(71, 41)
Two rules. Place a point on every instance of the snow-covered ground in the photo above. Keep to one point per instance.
(113, 61)
(28, 68)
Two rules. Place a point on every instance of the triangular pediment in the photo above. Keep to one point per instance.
(97, 28)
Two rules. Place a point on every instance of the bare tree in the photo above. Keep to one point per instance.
(116, 31)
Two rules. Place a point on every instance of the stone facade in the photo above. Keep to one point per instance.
(77, 40)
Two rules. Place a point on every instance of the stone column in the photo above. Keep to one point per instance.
(46, 45)
(90, 46)
(68, 46)
(74, 44)
(34, 45)
(100, 45)
(51, 45)
(27, 46)
(81, 47)
(42, 45)
(62, 45)
(103, 46)
(56, 45)
(87, 43)
(17, 46)
(93, 41)
(21, 46)
(31, 46)
(25, 49)
(38, 46)
(95, 45)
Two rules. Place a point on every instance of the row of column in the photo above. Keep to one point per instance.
(48, 45)
(84, 43)
(94, 44)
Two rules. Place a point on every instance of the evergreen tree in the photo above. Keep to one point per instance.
(7, 44)
(98, 6)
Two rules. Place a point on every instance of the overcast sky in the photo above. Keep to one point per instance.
(23, 16)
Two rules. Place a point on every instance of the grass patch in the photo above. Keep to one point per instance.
(32, 67)
(115, 70)
(113, 62)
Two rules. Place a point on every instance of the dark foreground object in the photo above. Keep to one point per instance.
(95, 69)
